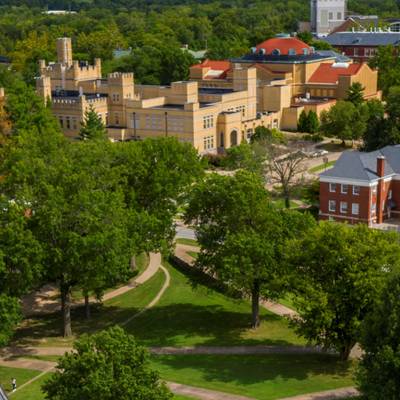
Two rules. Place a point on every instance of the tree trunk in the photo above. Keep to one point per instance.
(255, 305)
(87, 306)
(66, 311)
(345, 351)
(287, 200)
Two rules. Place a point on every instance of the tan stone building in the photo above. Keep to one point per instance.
(219, 107)
(291, 77)
(209, 118)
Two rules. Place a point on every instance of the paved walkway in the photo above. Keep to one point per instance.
(47, 300)
(343, 393)
(236, 350)
(203, 394)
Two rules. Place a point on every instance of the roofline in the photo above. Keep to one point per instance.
(239, 60)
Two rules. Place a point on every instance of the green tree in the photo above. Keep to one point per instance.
(355, 93)
(338, 272)
(92, 126)
(303, 123)
(378, 374)
(344, 121)
(388, 64)
(10, 316)
(264, 135)
(108, 365)
(245, 156)
(241, 235)
(313, 122)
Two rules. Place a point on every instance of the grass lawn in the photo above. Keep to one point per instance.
(192, 313)
(322, 167)
(20, 374)
(189, 242)
(45, 330)
(280, 203)
(264, 377)
(33, 391)
(193, 254)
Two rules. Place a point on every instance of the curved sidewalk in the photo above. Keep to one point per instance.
(47, 301)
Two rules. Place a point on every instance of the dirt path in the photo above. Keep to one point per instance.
(46, 300)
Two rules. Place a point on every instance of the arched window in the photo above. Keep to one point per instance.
(234, 138)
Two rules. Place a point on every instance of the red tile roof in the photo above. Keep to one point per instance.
(328, 73)
(223, 66)
(217, 65)
(283, 45)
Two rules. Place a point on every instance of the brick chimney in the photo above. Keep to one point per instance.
(380, 171)
(380, 166)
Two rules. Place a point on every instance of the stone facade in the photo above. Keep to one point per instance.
(211, 119)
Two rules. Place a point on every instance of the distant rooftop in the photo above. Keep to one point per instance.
(363, 38)
(282, 59)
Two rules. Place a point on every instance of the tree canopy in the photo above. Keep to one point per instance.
(338, 274)
(241, 235)
(106, 365)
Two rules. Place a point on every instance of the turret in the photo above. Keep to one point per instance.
(64, 51)
(43, 87)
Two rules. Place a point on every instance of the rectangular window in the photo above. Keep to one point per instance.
(356, 190)
(68, 123)
(208, 121)
(343, 207)
(355, 208)
(345, 189)
(339, 16)
(74, 126)
(332, 187)
(61, 122)
(330, 16)
(332, 205)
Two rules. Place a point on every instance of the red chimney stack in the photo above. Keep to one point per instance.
(380, 166)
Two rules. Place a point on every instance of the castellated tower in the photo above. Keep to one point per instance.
(43, 87)
(64, 51)
(326, 15)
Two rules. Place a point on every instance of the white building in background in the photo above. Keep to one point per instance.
(326, 15)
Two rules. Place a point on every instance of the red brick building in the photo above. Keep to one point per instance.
(362, 46)
(362, 187)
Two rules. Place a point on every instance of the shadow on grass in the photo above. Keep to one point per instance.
(256, 369)
(189, 324)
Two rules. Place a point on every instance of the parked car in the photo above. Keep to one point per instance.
(319, 153)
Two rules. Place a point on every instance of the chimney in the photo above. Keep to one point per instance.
(380, 170)
(380, 166)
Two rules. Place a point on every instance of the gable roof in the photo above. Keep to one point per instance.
(283, 44)
(363, 166)
(218, 69)
(330, 73)
(363, 38)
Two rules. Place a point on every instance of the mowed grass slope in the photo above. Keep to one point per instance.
(191, 313)
(20, 374)
(264, 377)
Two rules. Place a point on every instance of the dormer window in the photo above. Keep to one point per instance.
(262, 52)
(305, 52)
(292, 52)
(276, 52)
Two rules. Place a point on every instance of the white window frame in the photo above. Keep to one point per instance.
(344, 204)
(390, 194)
(355, 193)
(332, 185)
(330, 203)
(357, 207)
(373, 208)
(342, 186)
